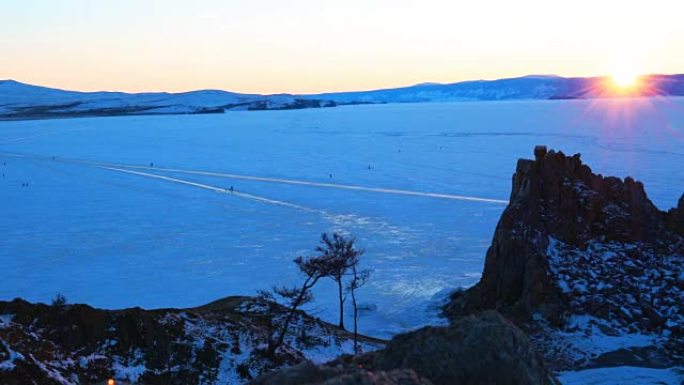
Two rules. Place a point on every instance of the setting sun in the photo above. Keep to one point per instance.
(625, 79)
(481, 192)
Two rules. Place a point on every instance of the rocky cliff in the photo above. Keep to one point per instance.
(581, 253)
(220, 343)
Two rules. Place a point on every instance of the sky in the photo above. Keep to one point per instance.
(307, 46)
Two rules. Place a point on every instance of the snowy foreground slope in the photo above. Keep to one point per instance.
(221, 343)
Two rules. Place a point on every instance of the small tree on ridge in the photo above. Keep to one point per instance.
(341, 254)
(313, 268)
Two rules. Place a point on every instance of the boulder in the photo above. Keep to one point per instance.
(479, 349)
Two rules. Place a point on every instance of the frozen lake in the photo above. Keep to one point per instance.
(163, 237)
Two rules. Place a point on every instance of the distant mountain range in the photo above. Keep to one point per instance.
(526, 87)
(24, 101)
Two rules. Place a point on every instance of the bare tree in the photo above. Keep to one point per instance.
(340, 253)
(59, 301)
(313, 268)
(359, 278)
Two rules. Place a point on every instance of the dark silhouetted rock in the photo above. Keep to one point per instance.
(479, 349)
(466, 353)
(676, 217)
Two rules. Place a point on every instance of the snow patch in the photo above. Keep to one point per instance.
(623, 375)
(129, 369)
(8, 364)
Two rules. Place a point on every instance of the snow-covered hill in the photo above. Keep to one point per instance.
(20, 101)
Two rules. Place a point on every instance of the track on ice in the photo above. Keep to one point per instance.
(120, 166)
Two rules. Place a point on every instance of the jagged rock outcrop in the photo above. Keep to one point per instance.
(479, 349)
(675, 217)
(573, 243)
(220, 343)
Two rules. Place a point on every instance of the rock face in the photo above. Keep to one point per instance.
(573, 243)
(676, 217)
(214, 344)
(479, 349)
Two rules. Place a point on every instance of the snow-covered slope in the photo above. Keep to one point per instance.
(221, 343)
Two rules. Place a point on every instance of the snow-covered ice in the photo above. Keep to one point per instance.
(136, 211)
(624, 375)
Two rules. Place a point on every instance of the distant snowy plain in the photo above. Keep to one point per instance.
(136, 211)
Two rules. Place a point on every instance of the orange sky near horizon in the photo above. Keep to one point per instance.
(307, 46)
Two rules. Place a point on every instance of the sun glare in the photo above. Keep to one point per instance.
(625, 79)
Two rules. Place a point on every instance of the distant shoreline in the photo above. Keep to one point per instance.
(100, 114)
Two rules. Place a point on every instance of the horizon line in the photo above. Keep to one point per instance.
(426, 83)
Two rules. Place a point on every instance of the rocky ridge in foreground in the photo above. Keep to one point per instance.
(220, 343)
(588, 265)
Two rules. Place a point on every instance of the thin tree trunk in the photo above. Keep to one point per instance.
(293, 310)
(339, 286)
(356, 332)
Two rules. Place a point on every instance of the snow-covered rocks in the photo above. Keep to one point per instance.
(214, 344)
(632, 285)
(576, 244)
